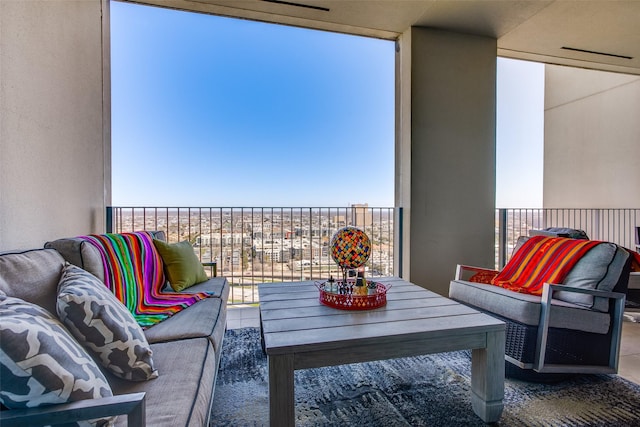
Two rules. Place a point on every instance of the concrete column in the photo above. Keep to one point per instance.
(447, 135)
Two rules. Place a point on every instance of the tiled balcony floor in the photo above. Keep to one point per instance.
(629, 365)
(245, 316)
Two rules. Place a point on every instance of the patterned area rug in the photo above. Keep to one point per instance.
(431, 390)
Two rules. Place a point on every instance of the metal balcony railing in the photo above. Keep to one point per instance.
(611, 225)
(256, 245)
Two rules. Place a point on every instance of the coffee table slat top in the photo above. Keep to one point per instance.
(297, 291)
(365, 317)
(293, 318)
(311, 306)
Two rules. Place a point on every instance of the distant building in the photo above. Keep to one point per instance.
(339, 220)
(361, 215)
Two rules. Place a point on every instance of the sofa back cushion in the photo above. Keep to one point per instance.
(80, 253)
(32, 276)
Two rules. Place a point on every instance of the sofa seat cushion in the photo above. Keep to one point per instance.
(205, 319)
(187, 374)
(32, 276)
(525, 308)
(219, 286)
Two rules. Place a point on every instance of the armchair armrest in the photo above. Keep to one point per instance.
(545, 311)
(214, 267)
(594, 292)
(461, 268)
(133, 405)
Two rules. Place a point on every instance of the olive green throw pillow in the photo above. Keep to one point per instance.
(181, 265)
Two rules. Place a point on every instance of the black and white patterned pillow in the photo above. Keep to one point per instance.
(41, 363)
(102, 324)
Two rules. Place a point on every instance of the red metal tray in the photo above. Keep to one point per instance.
(351, 301)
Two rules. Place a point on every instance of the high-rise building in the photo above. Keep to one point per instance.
(360, 215)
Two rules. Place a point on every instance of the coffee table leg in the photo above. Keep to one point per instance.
(487, 378)
(281, 395)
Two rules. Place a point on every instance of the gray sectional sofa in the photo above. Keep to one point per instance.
(186, 347)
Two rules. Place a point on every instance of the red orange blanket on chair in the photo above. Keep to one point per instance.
(133, 272)
(541, 260)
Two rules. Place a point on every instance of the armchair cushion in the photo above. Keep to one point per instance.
(525, 308)
(541, 260)
(600, 269)
(484, 276)
(103, 325)
(40, 363)
(572, 233)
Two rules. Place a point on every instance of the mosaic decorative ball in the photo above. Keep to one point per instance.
(350, 247)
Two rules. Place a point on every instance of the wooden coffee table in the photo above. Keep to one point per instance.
(300, 333)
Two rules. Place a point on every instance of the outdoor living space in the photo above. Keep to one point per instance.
(58, 171)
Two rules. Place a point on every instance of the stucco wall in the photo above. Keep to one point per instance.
(52, 151)
(592, 139)
(452, 153)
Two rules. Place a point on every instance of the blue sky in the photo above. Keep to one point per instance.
(214, 111)
(519, 133)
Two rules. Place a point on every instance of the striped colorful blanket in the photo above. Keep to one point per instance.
(133, 272)
(541, 260)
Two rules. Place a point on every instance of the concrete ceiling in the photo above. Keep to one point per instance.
(602, 35)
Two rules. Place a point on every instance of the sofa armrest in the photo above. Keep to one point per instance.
(133, 405)
(214, 267)
(617, 317)
(461, 269)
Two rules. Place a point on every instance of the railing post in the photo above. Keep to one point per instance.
(502, 238)
(400, 234)
(109, 219)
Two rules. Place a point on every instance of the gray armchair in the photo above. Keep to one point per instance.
(572, 328)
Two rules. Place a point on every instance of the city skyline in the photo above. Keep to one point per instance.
(262, 245)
